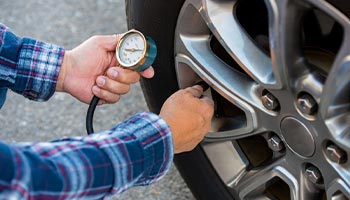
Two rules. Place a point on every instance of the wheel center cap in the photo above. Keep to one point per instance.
(298, 137)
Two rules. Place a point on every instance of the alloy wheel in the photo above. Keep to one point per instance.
(279, 72)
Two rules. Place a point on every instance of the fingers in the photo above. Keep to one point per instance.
(123, 75)
(117, 82)
(148, 73)
(189, 116)
(129, 76)
(206, 103)
(112, 86)
(105, 95)
(109, 90)
(196, 90)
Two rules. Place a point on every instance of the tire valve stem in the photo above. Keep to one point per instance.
(203, 84)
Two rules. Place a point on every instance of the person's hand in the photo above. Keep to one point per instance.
(92, 69)
(189, 116)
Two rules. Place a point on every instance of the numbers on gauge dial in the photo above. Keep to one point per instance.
(131, 49)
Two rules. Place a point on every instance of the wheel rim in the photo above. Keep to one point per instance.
(286, 132)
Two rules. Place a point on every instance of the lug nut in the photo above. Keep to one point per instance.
(270, 102)
(336, 154)
(275, 144)
(307, 104)
(314, 175)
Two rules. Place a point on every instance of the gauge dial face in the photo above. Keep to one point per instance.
(131, 49)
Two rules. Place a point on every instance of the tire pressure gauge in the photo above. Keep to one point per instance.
(134, 51)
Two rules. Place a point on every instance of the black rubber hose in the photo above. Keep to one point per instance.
(94, 102)
(90, 115)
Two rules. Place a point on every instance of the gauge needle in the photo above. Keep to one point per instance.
(133, 49)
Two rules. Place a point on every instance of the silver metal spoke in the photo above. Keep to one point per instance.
(279, 104)
(254, 183)
(193, 49)
(330, 10)
(228, 82)
(335, 101)
(231, 133)
(227, 159)
(230, 85)
(236, 41)
(285, 39)
(338, 190)
(335, 97)
(196, 61)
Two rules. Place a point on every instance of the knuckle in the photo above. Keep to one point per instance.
(123, 79)
(102, 94)
(207, 108)
(95, 38)
(188, 93)
(133, 78)
(137, 78)
(114, 99)
(200, 121)
(125, 89)
(128, 88)
(205, 120)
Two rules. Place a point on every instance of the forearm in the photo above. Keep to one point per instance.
(136, 152)
(27, 66)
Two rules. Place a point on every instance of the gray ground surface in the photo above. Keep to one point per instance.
(67, 23)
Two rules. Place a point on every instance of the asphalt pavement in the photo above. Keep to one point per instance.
(68, 23)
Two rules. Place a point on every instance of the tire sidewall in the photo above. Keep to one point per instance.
(158, 19)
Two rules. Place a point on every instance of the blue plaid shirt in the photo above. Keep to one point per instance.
(136, 152)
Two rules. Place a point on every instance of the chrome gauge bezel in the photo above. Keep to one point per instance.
(143, 57)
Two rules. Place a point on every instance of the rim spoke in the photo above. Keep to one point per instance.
(338, 190)
(227, 159)
(285, 39)
(236, 88)
(296, 69)
(330, 10)
(335, 99)
(224, 25)
(226, 128)
(195, 61)
(228, 83)
(232, 133)
(335, 95)
(256, 182)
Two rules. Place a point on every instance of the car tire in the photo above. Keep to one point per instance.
(157, 19)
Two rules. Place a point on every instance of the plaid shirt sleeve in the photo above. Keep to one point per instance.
(29, 67)
(136, 152)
